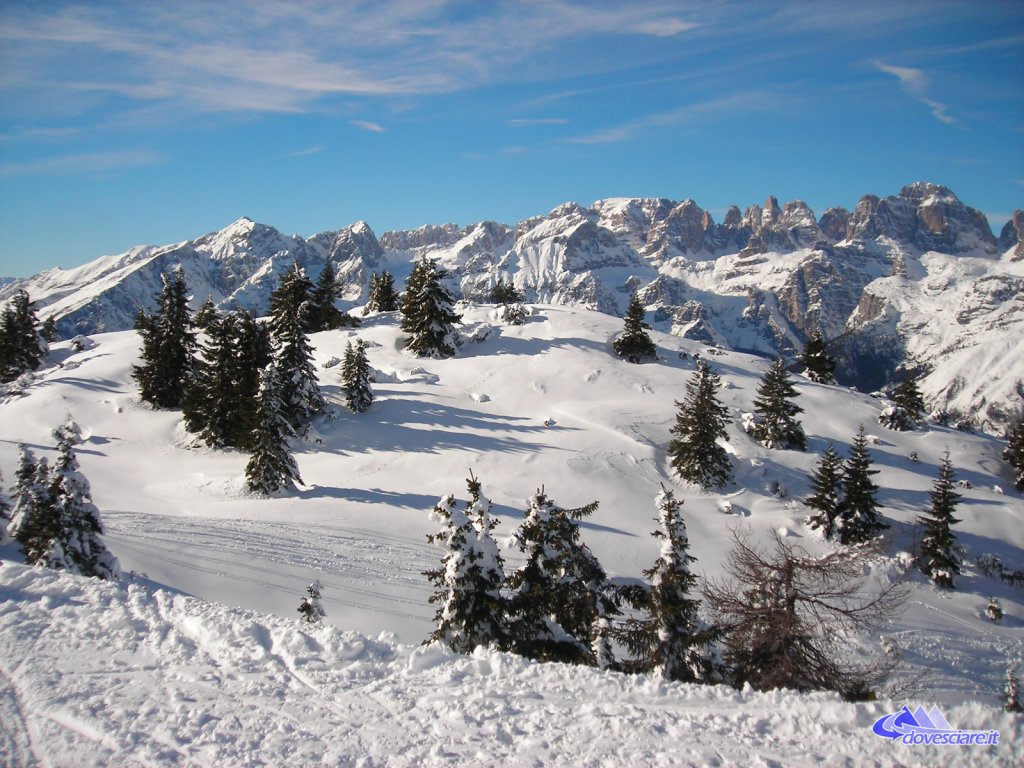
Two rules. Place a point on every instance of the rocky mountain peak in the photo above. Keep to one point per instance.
(1012, 236)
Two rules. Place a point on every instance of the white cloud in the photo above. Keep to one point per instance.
(88, 162)
(915, 84)
(368, 125)
(531, 122)
(305, 152)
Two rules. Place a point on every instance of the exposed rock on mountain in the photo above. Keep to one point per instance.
(915, 280)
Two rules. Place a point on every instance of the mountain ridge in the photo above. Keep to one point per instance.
(762, 280)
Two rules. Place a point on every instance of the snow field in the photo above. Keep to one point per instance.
(543, 403)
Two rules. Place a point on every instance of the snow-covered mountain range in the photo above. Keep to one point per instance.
(916, 280)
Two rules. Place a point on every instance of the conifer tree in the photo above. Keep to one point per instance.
(325, 315)
(22, 346)
(254, 351)
(355, 378)
(299, 391)
(471, 610)
(904, 412)
(311, 609)
(34, 523)
(81, 547)
(940, 556)
(827, 487)
(1014, 698)
(505, 293)
(428, 315)
(211, 402)
(383, 297)
(271, 467)
(635, 344)
(1013, 454)
(775, 411)
(49, 329)
(858, 518)
(5, 512)
(694, 451)
(206, 315)
(821, 367)
(673, 640)
(168, 345)
(560, 597)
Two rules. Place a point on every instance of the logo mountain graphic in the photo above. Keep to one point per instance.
(931, 727)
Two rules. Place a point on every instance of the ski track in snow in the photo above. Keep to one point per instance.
(162, 679)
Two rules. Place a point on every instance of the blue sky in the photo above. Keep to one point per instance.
(154, 122)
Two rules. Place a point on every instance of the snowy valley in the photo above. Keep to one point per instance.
(198, 656)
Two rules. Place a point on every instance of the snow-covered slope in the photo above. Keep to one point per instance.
(130, 677)
(96, 675)
(915, 280)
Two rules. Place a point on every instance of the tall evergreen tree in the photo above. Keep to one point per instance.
(859, 519)
(775, 411)
(904, 413)
(168, 346)
(383, 297)
(300, 396)
(427, 312)
(271, 467)
(635, 344)
(471, 610)
(940, 556)
(81, 547)
(206, 315)
(694, 451)
(560, 597)
(820, 365)
(325, 315)
(211, 402)
(22, 346)
(1013, 454)
(673, 640)
(355, 378)
(34, 522)
(827, 487)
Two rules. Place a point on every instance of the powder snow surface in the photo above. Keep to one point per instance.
(160, 671)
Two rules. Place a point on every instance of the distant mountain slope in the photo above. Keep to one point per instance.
(915, 280)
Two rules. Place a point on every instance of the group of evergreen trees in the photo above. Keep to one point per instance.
(560, 604)
(54, 520)
(22, 342)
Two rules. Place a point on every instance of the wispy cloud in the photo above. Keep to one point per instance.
(535, 121)
(368, 125)
(305, 152)
(705, 111)
(88, 162)
(915, 84)
(38, 133)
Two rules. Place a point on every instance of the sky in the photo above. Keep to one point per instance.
(154, 122)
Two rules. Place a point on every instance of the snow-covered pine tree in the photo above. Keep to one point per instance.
(428, 315)
(505, 292)
(81, 547)
(168, 346)
(471, 610)
(1014, 699)
(34, 523)
(635, 344)
(271, 467)
(22, 346)
(859, 519)
(775, 411)
(311, 609)
(254, 351)
(819, 364)
(206, 315)
(211, 399)
(382, 296)
(1013, 454)
(904, 412)
(355, 378)
(673, 640)
(300, 396)
(694, 452)
(561, 595)
(939, 554)
(827, 487)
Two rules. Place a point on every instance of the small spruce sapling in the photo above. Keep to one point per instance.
(940, 556)
(821, 367)
(634, 344)
(311, 609)
(776, 413)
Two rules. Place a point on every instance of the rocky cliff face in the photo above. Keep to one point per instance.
(913, 279)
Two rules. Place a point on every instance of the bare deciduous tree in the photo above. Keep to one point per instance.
(790, 618)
